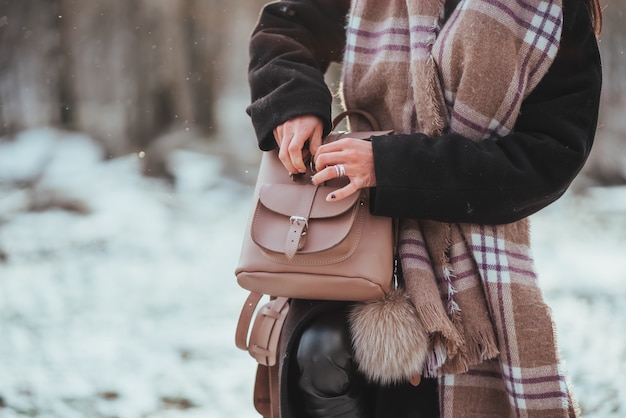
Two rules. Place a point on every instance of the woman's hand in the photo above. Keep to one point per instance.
(356, 157)
(292, 137)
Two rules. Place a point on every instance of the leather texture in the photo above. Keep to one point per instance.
(266, 400)
(329, 384)
(263, 347)
(263, 341)
(299, 245)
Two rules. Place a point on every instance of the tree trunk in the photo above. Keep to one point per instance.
(123, 71)
(606, 162)
(129, 71)
(29, 64)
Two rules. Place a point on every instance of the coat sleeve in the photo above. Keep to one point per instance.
(290, 49)
(453, 179)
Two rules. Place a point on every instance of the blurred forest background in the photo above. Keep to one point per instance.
(117, 299)
(137, 75)
(159, 74)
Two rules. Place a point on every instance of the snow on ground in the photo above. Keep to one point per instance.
(580, 247)
(118, 299)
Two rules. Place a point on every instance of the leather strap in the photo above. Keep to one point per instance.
(266, 399)
(263, 343)
(274, 394)
(245, 317)
(262, 396)
(298, 224)
(265, 334)
(370, 118)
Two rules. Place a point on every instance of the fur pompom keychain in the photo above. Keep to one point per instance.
(390, 343)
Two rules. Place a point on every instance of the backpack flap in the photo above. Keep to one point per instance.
(295, 219)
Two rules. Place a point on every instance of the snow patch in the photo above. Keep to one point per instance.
(129, 309)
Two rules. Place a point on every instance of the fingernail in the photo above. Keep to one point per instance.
(331, 197)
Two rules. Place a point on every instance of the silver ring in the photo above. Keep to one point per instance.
(342, 170)
(337, 170)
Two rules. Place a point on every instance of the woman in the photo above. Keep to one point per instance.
(494, 105)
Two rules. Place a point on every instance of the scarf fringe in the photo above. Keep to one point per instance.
(445, 341)
(480, 348)
(430, 106)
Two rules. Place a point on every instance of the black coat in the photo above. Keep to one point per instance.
(450, 178)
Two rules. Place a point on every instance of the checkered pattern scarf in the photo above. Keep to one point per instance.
(419, 67)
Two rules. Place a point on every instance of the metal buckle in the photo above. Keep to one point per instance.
(297, 220)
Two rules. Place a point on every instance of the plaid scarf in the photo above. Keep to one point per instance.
(474, 288)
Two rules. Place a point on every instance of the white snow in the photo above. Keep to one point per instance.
(118, 298)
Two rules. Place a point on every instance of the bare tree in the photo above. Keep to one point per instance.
(606, 163)
(128, 72)
(29, 65)
(123, 71)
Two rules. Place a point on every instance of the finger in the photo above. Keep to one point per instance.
(295, 152)
(328, 159)
(328, 173)
(285, 158)
(316, 139)
(328, 153)
(338, 145)
(320, 155)
(342, 193)
(278, 134)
